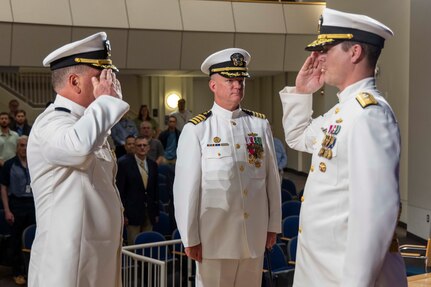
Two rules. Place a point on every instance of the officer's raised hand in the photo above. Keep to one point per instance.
(107, 84)
(310, 78)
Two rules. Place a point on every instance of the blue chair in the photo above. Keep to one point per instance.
(164, 225)
(292, 207)
(291, 248)
(153, 252)
(290, 227)
(27, 241)
(164, 196)
(290, 186)
(282, 273)
(285, 196)
(28, 237)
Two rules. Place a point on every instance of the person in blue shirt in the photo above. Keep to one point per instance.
(169, 139)
(280, 153)
(120, 132)
(18, 203)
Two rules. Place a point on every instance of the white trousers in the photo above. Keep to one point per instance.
(229, 272)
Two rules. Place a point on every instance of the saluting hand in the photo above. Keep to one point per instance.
(310, 77)
(107, 84)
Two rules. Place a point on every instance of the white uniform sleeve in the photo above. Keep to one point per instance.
(273, 185)
(187, 185)
(68, 142)
(374, 150)
(301, 131)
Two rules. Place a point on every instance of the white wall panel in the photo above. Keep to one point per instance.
(154, 50)
(5, 47)
(54, 12)
(207, 16)
(295, 55)
(5, 11)
(99, 13)
(302, 19)
(198, 45)
(267, 51)
(42, 40)
(259, 18)
(154, 14)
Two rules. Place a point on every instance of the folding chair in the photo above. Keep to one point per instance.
(420, 252)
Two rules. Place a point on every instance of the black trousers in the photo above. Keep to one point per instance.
(24, 213)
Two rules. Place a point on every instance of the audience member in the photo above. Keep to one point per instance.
(280, 153)
(144, 115)
(72, 169)
(182, 115)
(156, 152)
(169, 139)
(18, 204)
(137, 182)
(119, 133)
(8, 139)
(21, 125)
(13, 108)
(129, 144)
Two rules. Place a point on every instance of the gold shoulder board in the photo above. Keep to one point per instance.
(254, 114)
(200, 118)
(366, 99)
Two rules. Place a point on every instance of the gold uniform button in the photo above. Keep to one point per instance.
(312, 168)
(300, 230)
(245, 192)
(233, 123)
(302, 199)
(337, 110)
(245, 215)
(241, 168)
(322, 167)
(237, 146)
(314, 141)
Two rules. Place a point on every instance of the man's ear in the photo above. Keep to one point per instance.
(212, 85)
(357, 53)
(75, 83)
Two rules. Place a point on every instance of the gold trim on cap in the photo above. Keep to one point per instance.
(99, 62)
(216, 70)
(329, 38)
(335, 36)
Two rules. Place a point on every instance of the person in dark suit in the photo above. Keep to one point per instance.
(137, 182)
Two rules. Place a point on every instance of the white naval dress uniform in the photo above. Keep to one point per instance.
(225, 198)
(351, 198)
(78, 208)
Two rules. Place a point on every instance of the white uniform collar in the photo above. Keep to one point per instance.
(74, 108)
(352, 90)
(219, 111)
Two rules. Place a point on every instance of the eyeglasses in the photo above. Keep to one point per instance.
(141, 145)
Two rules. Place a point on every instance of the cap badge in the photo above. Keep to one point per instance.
(320, 24)
(108, 48)
(237, 60)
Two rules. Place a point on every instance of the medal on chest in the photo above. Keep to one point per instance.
(329, 141)
(254, 149)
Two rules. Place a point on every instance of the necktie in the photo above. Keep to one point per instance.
(144, 174)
